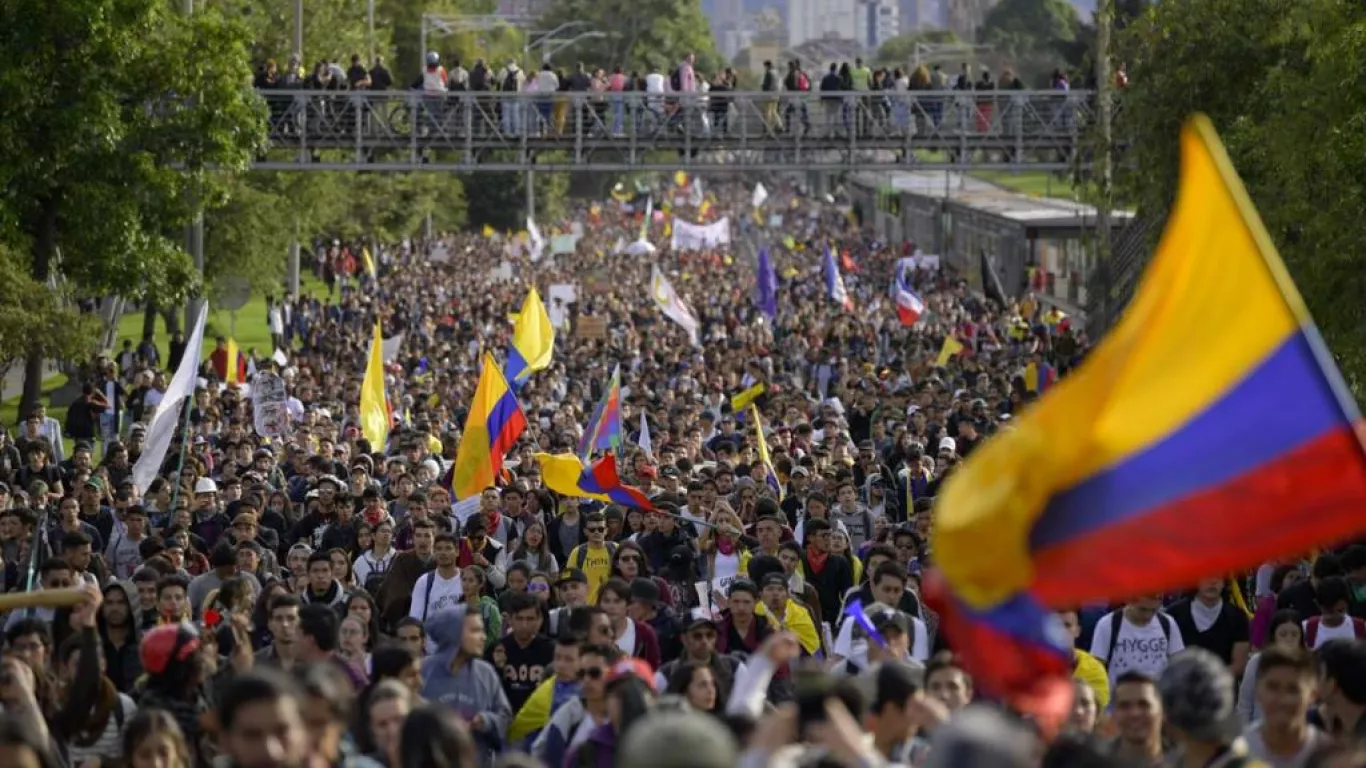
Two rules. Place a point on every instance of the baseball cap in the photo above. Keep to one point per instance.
(948, 444)
(571, 575)
(774, 580)
(889, 618)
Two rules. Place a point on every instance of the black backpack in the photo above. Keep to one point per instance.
(676, 79)
(510, 81)
(1117, 619)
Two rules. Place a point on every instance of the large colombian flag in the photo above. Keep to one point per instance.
(494, 423)
(1207, 432)
(566, 475)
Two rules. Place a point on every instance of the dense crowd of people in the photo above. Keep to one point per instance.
(316, 600)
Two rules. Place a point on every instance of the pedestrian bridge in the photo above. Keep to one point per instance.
(716, 132)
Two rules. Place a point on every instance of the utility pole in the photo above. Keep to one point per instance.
(1105, 82)
(194, 241)
(299, 30)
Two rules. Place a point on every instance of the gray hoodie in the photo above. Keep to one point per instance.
(474, 689)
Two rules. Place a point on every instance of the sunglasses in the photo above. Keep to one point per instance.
(536, 586)
(592, 673)
(628, 559)
(596, 529)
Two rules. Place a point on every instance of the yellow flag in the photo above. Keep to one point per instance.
(231, 372)
(741, 401)
(951, 347)
(369, 262)
(374, 406)
(488, 231)
(680, 179)
(533, 339)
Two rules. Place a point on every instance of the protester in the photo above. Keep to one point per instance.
(332, 588)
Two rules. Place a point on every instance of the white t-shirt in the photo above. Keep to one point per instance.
(627, 641)
(1145, 649)
(1326, 633)
(446, 594)
(724, 570)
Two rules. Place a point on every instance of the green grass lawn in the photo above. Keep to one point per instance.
(250, 330)
(1036, 183)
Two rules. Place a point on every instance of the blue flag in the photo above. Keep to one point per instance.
(767, 277)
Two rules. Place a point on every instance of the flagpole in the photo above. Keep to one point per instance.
(184, 447)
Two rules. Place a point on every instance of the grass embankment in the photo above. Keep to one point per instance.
(250, 330)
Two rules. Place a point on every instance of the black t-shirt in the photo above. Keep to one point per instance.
(521, 669)
(1229, 628)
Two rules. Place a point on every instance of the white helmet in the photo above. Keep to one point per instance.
(433, 58)
(205, 485)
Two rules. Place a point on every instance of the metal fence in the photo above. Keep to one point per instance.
(747, 129)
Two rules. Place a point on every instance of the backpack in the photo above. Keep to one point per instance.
(1117, 621)
(375, 579)
(510, 81)
(582, 555)
(676, 79)
(803, 82)
(427, 596)
(1311, 630)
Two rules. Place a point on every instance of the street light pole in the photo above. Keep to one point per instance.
(194, 239)
(370, 28)
(541, 42)
(299, 30)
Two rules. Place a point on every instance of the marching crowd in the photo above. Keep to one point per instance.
(315, 600)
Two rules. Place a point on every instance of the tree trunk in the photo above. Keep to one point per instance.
(44, 247)
(149, 319)
(171, 316)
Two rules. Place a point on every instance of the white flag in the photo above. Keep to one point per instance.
(167, 416)
(537, 244)
(280, 357)
(390, 347)
(671, 305)
(760, 195)
(644, 440)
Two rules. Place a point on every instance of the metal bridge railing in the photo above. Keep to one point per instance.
(392, 124)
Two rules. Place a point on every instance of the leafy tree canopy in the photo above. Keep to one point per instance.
(901, 49)
(1272, 76)
(640, 34)
(36, 318)
(1028, 34)
(121, 119)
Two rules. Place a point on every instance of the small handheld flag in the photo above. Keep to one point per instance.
(834, 283)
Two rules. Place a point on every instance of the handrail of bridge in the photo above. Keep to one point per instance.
(481, 129)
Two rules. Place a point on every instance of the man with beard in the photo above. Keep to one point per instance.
(261, 722)
(396, 593)
(119, 635)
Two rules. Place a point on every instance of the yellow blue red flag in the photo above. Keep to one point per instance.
(494, 423)
(566, 475)
(533, 341)
(1208, 432)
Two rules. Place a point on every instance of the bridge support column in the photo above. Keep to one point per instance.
(530, 197)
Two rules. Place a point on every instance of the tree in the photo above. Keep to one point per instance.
(39, 319)
(1028, 34)
(640, 34)
(115, 113)
(902, 49)
(1271, 75)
